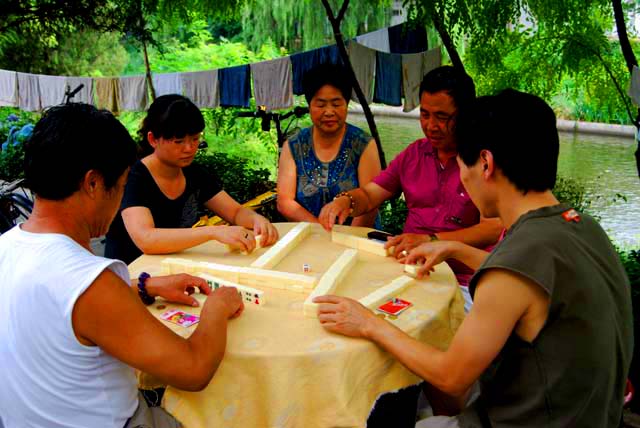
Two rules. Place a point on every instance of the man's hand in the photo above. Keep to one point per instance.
(431, 254)
(224, 300)
(345, 316)
(235, 236)
(338, 208)
(264, 228)
(177, 288)
(405, 242)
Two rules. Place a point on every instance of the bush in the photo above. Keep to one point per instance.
(241, 181)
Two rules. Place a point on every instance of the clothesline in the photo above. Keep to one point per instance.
(384, 77)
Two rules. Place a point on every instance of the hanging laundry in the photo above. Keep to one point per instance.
(272, 83)
(8, 88)
(405, 38)
(84, 95)
(133, 93)
(388, 86)
(201, 87)
(363, 61)
(634, 86)
(28, 92)
(414, 68)
(378, 40)
(235, 86)
(305, 61)
(167, 83)
(107, 93)
(52, 89)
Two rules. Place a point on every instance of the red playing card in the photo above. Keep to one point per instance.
(394, 306)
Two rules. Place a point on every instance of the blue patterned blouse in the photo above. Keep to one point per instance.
(319, 182)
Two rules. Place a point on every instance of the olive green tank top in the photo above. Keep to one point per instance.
(574, 373)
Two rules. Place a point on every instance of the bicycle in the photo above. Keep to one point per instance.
(277, 118)
(16, 204)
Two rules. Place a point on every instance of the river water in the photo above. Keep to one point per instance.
(605, 165)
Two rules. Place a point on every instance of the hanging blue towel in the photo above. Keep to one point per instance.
(235, 86)
(404, 38)
(305, 61)
(388, 87)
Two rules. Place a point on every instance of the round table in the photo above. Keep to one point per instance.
(282, 369)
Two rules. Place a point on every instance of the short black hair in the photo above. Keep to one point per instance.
(327, 74)
(520, 131)
(458, 84)
(170, 116)
(67, 142)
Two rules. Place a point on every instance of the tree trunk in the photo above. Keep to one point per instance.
(448, 43)
(335, 25)
(147, 67)
(630, 59)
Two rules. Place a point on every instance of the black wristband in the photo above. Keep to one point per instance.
(142, 289)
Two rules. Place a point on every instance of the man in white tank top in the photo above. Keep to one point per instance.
(71, 327)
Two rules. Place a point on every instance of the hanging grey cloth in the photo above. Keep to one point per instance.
(51, 90)
(273, 84)
(28, 92)
(84, 95)
(133, 93)
(363, 61)
(201, 87)
(167, 83)
(8, 88)
(378, 40)
(634, 86)
(414, 68)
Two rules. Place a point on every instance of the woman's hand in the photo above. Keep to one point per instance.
(225, 300)
(264, 228)
(430, 254)
(236, 237)
(339, 208)
(177, 288)
(405, 242)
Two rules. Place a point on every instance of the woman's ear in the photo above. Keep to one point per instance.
(153, 142)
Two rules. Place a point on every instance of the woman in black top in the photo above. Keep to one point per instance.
(164, 190)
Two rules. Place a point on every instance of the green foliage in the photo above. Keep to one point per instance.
(303, 24)
(12, 163)
(241, 181)
(393, 215)
(572, 193)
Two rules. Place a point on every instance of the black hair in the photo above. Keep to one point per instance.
(67, 142)
(170, 116)
(327, 74)
(456, 83)
(520, 131)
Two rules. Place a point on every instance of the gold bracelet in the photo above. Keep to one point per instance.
(352, 203)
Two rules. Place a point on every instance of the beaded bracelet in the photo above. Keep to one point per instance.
(352, 202)
(142, 289)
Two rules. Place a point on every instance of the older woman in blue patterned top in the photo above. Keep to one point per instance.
(328, 158)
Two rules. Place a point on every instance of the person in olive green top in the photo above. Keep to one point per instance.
(549, 340)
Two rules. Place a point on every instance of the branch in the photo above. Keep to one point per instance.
(343, 10)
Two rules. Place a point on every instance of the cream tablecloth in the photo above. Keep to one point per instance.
(283, 370)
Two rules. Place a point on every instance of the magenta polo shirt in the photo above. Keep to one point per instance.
(436, 199)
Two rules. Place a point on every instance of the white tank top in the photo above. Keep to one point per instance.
(48, 378)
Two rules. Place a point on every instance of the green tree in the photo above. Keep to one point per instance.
(303, 24)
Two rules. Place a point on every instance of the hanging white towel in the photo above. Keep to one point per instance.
(84, 95)
(378, 40)
(51, 90)
(201, 87)
(167, 83)
(133, 93)
(363, 61)
(28, 92)
(273, 84)
(8, 88)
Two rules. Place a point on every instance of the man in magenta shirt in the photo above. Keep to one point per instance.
(428, 175)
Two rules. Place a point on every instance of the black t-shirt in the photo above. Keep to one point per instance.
(142, 191)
